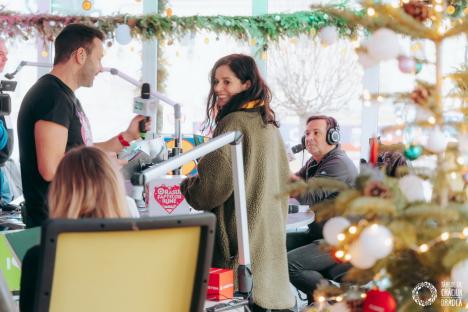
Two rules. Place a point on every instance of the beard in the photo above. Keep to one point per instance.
(86, 75)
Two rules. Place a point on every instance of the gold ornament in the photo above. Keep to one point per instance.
(86, 5)
(450, 9)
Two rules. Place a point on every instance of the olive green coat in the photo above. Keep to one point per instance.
(266, 173)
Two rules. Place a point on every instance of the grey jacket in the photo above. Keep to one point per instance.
(336, 164)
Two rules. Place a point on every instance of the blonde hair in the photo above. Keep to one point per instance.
(86, 185)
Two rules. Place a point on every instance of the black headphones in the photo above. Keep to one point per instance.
(333, 133)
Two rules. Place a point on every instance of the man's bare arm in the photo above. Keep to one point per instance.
(51, 141)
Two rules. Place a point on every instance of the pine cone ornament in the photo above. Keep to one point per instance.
(417, 9)
(377, 189)
(420, 95)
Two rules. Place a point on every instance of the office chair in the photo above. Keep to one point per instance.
(151, 264)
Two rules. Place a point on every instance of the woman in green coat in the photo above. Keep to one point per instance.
(239, 100)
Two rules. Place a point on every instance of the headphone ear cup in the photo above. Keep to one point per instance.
(333, 136)
(303, 142)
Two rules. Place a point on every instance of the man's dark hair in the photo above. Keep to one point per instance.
(73, 37)
(331, 122)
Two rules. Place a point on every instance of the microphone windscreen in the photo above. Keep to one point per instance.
(297, 148)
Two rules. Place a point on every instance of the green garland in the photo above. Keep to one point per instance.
(263, 29)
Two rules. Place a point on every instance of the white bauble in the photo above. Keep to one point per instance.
(366, 60)
(412, 187)
(360, 258)
(437, 141)
(328, 35)
(377, 240)
(383, 45)
(459, 274)
(333, 227)
(123, 34)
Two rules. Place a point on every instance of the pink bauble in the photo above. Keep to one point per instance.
(406, 65)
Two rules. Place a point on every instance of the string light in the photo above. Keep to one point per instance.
(370, 11)
(352, 229)
(341, 237)
(423, 248)
(445, 236)
(44, 53)
(339, 254)
(431, 120)
(347, 257)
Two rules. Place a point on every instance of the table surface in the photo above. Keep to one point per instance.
(302, 218)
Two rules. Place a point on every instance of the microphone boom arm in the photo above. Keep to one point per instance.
(114, 71)
(161, 97)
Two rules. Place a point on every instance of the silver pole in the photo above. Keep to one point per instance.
(176, 162)
(244, 272)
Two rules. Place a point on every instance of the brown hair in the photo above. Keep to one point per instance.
(86, 185)
(245, 69)
(72, 37)
(331, 122)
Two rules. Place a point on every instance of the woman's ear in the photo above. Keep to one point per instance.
(247, 85)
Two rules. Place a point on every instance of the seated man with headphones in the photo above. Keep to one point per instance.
(307, 263)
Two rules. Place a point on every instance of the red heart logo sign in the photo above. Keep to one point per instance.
(169, 197)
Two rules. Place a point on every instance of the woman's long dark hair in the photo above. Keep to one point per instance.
(245, 69)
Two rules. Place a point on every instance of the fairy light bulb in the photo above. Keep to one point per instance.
(370, 11)
(341, 237)
(444, 236)
(352, 229)
(431, 120)
(44, 53)
(339, 254)
(465, 232)
(423, 248)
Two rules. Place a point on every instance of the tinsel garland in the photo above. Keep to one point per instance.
(263, 28)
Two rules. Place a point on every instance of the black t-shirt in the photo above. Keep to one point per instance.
(50, 100)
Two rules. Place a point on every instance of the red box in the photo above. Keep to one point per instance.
(220, 284)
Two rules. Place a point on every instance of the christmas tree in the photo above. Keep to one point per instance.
(409, 250)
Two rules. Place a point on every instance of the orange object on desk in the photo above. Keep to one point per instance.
(220, 284)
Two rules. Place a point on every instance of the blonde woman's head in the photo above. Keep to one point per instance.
(86, 185)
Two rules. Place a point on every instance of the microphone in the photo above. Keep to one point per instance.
(144, 105)
(297, 148)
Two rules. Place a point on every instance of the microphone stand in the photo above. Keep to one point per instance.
(177, 149)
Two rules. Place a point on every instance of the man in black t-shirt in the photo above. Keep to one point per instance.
(51, 120)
